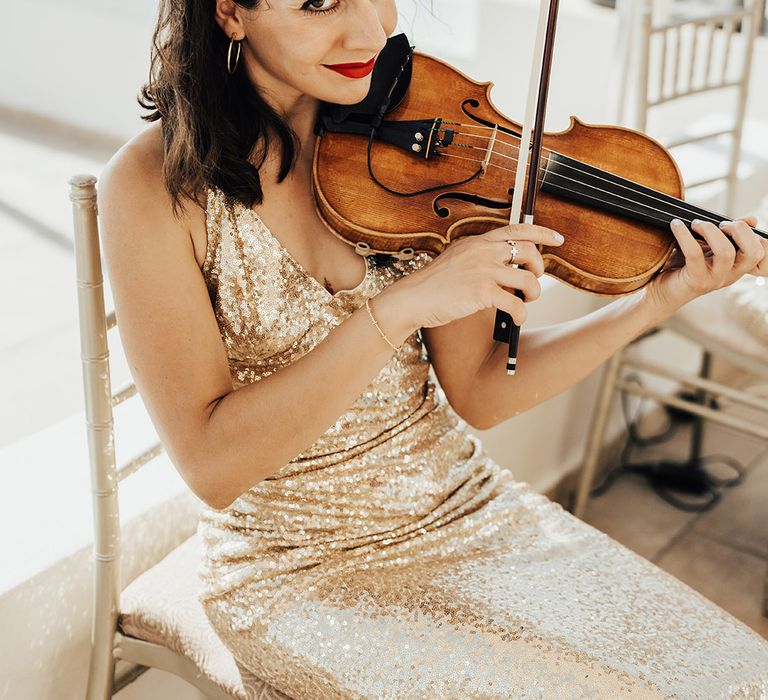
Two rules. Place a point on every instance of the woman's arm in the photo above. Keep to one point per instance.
(556, 358)
(222, 441)
(474, 376)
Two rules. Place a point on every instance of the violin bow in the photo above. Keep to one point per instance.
(505, 329)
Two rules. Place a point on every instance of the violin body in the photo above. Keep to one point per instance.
(605, 252)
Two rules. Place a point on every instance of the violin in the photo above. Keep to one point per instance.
(426, 158)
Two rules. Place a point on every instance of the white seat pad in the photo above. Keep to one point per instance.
(711, 321)
(161, 606)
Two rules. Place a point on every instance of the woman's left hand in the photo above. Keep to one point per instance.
(726, 254)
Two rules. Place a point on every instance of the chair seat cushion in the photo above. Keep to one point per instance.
(161, 606)
(749, 299)
(711, 322)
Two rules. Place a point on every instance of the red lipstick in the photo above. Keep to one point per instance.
(353, 70)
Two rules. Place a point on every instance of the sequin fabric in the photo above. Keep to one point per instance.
(394, 558)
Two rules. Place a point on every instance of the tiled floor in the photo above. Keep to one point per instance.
(723, 552)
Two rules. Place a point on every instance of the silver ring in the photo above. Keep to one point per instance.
(512, 252)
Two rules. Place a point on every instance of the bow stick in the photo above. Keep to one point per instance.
(505, 329)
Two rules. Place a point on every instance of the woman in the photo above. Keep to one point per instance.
(358, 541)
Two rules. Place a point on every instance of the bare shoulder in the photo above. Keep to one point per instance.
(138, 226)
(135, 173)
(143, 154)
(132, 189)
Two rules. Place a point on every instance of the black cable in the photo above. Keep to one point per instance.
(415, 193)
(669, 477)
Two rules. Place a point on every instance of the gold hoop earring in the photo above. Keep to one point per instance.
(230, 68)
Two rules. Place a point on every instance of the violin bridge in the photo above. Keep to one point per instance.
(489, 151)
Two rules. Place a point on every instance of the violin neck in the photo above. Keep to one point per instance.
(572, 179)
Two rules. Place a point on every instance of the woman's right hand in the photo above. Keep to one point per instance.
(473, 274)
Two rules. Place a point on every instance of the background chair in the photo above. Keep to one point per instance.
(156, 621)
(672, 55)
(689, 54)
(697, 50)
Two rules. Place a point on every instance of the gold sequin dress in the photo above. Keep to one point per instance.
(394, 558)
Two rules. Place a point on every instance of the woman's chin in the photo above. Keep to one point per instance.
(351, 94)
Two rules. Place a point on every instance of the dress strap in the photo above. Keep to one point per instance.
(215, 211)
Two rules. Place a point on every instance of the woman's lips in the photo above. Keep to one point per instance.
(353, 70)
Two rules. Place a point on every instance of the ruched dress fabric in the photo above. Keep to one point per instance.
(394, 558)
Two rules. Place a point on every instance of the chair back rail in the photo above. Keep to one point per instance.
(139, 461)
(714, 389)
(123, 394)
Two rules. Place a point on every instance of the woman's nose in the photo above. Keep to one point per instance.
(365, 32)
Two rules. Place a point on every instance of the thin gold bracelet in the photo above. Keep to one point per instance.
(383, 335)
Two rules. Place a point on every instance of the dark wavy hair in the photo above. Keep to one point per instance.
(216, 127)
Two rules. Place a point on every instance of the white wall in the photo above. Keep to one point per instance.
(83, 62)
(78, 61)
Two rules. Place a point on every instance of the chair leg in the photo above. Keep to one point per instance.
(596, 433)
(702, 397)
(101, 669)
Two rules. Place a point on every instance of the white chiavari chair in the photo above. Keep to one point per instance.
(690, 53)
(155, 621)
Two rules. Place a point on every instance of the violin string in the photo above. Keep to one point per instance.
(651, 192)
(480, 148)
(682, 206)
(592, 187)
(616, 206)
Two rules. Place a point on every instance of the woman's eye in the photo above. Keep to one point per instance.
(317, 7)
